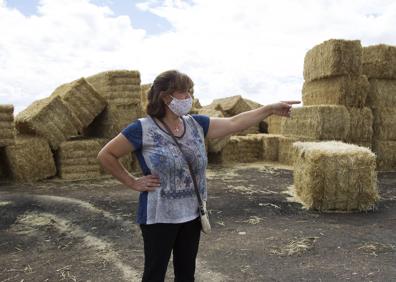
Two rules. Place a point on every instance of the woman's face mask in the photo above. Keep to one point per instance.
(180, 107)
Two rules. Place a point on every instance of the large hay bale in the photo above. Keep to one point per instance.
(7, 126)
(382, 93)
(252, 104)
(30, 159)
(274, 124)
(384, 125)
(240, 149)
(349, 91)
(83, 101)
(270, 147)
(333, 57)
(49, 118)
(334, 176)
(386, 155)
(286, 151)
(379, 61)
(361, 125)
(326, 122)
(231, 106)
(145, 88)
(216, 144)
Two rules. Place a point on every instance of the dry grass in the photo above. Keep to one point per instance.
(379, 61)
(361, 126)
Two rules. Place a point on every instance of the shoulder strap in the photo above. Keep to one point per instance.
(189, 166)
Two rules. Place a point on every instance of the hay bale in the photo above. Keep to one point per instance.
(349, 91)
(82, 100)
(252, 104)
(270, 150)
(333, 57)
(230, 106)
(241, 149)
(384, 125)
(216, 144)
(286, 151)
(49, 118)
(334, 176)
(328, 122)
(145, 88)
(386, 155)
(379, 61)
(7, 126)
(30, 159)
(361, 125)
(274, 124)
(382, 93)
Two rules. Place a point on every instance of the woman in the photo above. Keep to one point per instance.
(168, 206)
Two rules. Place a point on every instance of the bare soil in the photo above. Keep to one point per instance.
(85, 231)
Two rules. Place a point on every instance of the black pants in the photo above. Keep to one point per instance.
(159, 241)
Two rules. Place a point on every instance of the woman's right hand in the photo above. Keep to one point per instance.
(146, 183)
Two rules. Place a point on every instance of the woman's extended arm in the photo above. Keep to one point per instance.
(221, 127)
(109, 159)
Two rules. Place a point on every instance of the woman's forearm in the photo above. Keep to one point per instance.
(247, 119)
(113, 166)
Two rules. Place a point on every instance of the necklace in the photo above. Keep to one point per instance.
(178, 127)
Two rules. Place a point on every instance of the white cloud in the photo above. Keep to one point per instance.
(254, 48)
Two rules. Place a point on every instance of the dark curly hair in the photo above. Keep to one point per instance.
(165, 84)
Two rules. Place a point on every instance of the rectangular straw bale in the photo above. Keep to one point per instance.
(232, 106)
(216, 144)
(30, 159)
(112, 120)
(7, 126)
(379, 61)
(274, 124)
(382, 93)
(327, 122)
(239, 149)
(286, 151)
(83, 101)
(49, 118)
(335, 176)
(333, 57)
(361, 125)
(270, 147)
(252, 104)
(384, 125)
(349, 91)
(144, 89)
(386, 155)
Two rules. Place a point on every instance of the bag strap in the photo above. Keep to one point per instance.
(189, 167)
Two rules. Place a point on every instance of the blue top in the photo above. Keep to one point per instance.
(175, 201)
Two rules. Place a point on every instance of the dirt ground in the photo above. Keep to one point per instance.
(85, 231)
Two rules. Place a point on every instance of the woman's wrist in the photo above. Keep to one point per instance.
(269, 109)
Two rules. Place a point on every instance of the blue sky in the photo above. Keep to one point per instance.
(253, 48)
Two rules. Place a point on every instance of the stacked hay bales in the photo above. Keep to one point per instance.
(144, 89)
(333, 77)
(335, 176)
(122, 92)
(7, 126)
(379, 64)
(286, 151)
(49, 118)
(30, 159)
(82, 100)
(239, 149)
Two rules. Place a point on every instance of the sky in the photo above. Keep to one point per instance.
(253, 48)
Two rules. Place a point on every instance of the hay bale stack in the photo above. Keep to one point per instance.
(77, 159)
(30, 159)
(82, 100)
(231, 106)
(345, 90)
(7, 126)
(270, 150)
(239, 149)
(286, 151)
(217, 144)
(334, 176)
(49, 118)
(379, 61)
(144, 89)
(361, 126)
(122, 92)
(326, 122)
(333, 58)
(252, 104)
(382, 94)
(385, 124)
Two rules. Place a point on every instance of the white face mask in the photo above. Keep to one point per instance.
(180, 107)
